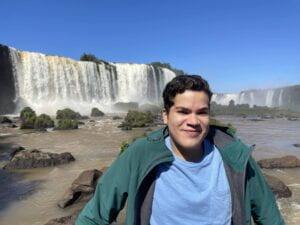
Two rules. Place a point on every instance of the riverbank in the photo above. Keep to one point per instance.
(95, 145)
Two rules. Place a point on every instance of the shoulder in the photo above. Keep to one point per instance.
(147, 147)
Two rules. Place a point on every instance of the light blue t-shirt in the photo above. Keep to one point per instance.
(192, 193)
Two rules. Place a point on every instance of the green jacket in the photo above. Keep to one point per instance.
(131, 177)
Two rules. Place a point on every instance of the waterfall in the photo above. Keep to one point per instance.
(280, 102)
(47, 83)
(284, 97)
(269, 98)
(224, 99)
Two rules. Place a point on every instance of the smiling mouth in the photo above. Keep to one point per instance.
(192, 133)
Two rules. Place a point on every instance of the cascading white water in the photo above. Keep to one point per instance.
(269, 98)
(224, 99)
(280, 102)
(251, 99)
(241, 98)
(47, 83)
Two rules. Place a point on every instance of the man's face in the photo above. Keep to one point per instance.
(188, 120)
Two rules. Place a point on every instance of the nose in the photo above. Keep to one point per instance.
(193, 120)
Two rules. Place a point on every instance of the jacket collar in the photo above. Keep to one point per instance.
(233, 151)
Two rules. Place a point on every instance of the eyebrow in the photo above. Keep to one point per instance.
(184, 108)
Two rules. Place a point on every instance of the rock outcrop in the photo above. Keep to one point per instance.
(7, 82)
(66, 220)
(5, 119)
(283, 162)
(279, 189)
(82, 188)
(27, 159)
(96, 112)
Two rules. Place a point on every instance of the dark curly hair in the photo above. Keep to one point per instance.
(180, 84)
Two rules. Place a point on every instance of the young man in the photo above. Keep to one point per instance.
(188, 173)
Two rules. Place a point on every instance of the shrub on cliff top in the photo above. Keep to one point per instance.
(28, 118)
(67, 114)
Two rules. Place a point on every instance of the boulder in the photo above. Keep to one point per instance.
(68, 113)
(283, 162)
(27, 159)
(293, 119)
(137, 119)
(66, 220)
(28, 117)
(15, 149)
(42, 122)
(67, 124)
(96, 112)
(279, 189)
(8, 125)
(82, 188)
(4, 119)
(117, 118)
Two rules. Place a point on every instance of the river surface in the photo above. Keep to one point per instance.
(29, 197)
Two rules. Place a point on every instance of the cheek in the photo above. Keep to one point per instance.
(205, 122)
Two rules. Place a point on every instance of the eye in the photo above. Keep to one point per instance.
(203, 113)
(184, 112)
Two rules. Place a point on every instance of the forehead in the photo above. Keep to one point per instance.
(191, 99)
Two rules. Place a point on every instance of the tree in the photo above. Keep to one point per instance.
(168, 66)
(88, 57)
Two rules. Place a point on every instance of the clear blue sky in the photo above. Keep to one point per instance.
(235, 44)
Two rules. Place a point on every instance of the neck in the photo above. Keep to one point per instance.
(194, 154)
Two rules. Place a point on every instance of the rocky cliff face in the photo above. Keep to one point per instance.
(7, 82)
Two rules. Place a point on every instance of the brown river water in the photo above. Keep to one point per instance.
(29, 197)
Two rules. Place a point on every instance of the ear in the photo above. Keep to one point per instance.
(165, 116)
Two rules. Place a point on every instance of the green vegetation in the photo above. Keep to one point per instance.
(125, 144)
(29, 120)
(168, 66)
(67, 124)
(28, 117)
(216, 122)
(43, 121)
(67, 119)
(67, 114)
(96, 112)
(244, 110)
(91, 58)
(137, 119)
